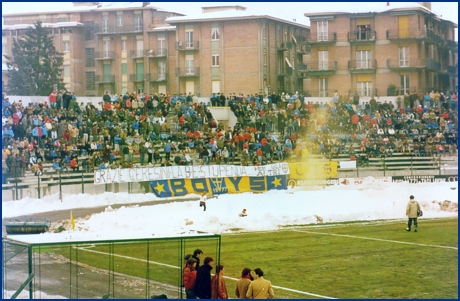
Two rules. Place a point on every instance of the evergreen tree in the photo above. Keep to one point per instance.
(35, 65)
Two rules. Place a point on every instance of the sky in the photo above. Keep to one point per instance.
(285, 10)
(372, 200)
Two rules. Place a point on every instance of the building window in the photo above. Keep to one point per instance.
(105, 24)
(322, 30)
(189, 66)
(215, 32)
(404, 84)
(139, 48)
(161, 47)
(89, 33)
(404, 57)
(161, 70)
(66, 46)
(123, 45)
(124, 68)
(119, 20)
(364, 88)
(137, 22)
(189, 39)
(363, 59)
(89, 80)
(323, 87)
(323, 60)
(66, 70)
(62, 19)
(106, 48)
(215, 60)
(4, 49)
(89, 57)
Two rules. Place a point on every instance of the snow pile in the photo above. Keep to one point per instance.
(268, 211)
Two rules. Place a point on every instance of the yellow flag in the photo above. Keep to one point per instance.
(72, 221)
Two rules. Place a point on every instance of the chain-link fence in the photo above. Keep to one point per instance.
(126, 269)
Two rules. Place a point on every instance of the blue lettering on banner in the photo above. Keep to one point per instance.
(236, 182)
(218, 185)
(200, 185)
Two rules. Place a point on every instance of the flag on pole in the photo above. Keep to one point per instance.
(72, 221)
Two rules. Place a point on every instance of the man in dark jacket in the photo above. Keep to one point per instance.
(203, 279)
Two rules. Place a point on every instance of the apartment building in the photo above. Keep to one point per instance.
(390, 51)
(133, 46)
(115, 47)
(229, 50)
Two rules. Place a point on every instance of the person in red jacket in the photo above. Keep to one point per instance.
(73, 164)
(189, 278)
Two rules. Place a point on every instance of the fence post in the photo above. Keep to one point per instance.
(82, 182)
(411, 166)
(38, 174)
(16, 176)
(60, 186)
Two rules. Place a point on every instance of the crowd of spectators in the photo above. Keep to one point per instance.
(167, 129)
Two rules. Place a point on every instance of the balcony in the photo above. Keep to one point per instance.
(406, 65)
(187, 72)
(284, 71)
(157, 77)
(452, 44)
(113, 28)
(322, 68)
(362, 37)
(410, 34)
(137, 78)
(363, 92)
(104, 79)
(324, 39)
(284, 46)
(362, 66)
(159, 53)
(139, 53)
(104, 55)
(452, 70)
(321, 93)
(432, 65)
(182, 46)
(303, 48)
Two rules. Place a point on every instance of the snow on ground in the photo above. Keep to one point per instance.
(268, 211)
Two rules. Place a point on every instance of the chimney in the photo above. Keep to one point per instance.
(144, 4)
(425, 4)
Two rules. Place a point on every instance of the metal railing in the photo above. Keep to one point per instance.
(323, 38)
(187, 45)
(407, 63)
(114, 28)
(104, 78)
(409, 33)
(362, 64)
(366, 36)
(187, 71)
(322, 66)
(104, 55)
(136, 77)
(156, 77)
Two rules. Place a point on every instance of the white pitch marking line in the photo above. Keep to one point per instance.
(377, 239)
(176, 267)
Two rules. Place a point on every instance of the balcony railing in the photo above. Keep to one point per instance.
(157, 77)
(363, 92)
(301, 66)
(104, 55)
(159, 53)
(362, 37)
(452, 44)
(136, 77)
(404, 34)
(322, 68)
(104, 78)
(284, 71)
(138, 53)
(413, 64)
(451, 69)
(321, 93)
(324, 38)
(362, 66)
(114, 28)
(184, 72)
(303, 48)
(187, 45)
